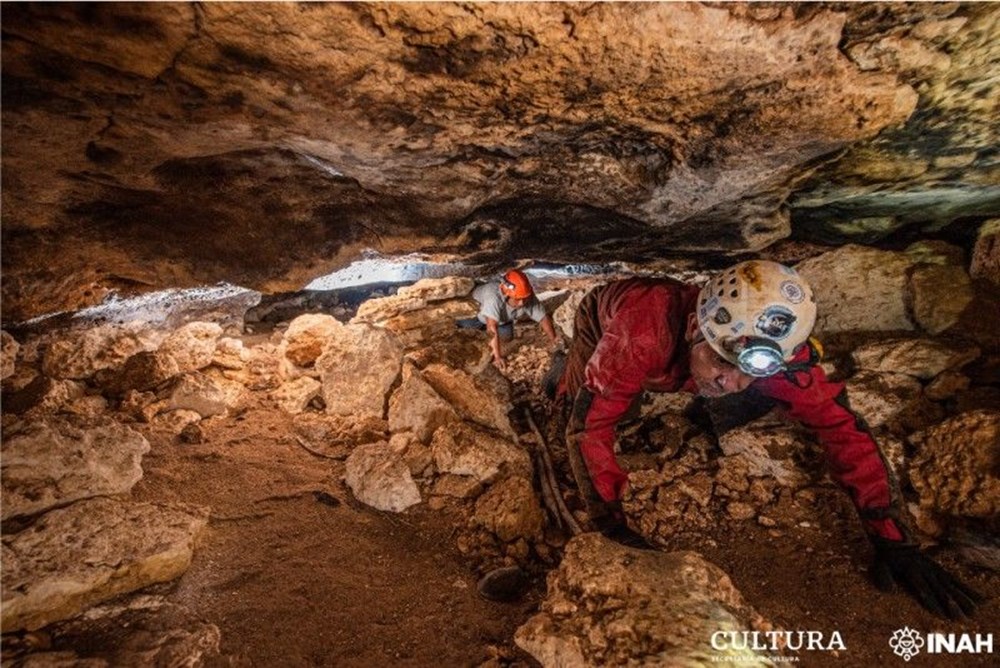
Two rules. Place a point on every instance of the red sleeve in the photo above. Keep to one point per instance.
(635, 344)
(852, 456)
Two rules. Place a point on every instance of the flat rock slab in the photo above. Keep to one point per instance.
(94, 550)
(609, 605)
(54, 462)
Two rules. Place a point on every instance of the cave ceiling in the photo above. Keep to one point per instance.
(153, 145)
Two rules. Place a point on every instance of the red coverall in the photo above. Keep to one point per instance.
(629, 337)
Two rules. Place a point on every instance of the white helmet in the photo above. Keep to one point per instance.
(756, 314)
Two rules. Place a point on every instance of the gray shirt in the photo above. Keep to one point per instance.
(493, 305)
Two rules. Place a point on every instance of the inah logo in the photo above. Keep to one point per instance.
(906, 642)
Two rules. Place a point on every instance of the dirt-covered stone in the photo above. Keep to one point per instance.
(307, 337)
(358, 368)
(416, 407)
(463, 448)
(379, 476)
(920, 358)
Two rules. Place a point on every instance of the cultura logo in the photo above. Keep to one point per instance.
(906, 642)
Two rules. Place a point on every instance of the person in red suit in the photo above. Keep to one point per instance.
(744, 335)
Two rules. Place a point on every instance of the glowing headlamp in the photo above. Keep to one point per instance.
(758, 357)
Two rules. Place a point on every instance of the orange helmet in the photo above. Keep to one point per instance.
(515, 284)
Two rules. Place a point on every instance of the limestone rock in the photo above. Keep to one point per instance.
(416, 407)
(954, 470)
(946, 385)
(510, 510)
(206, 394)
(483, 398)
(43, 395)
(609, 605)
(379, 477)
(858, 289)
(143, 371)
(176, 422)
(920, 358)
(191, 347)
(766, 450)
(462, 448)
(878, 397)
(413, 298)
(295, 395)
(229, 354)
(986, 253)
(357, 370)
(51, 463)
(9, 348)
(117, 547)
(263, 369)
(307, 337)
(79, 354)
(939, 295)
(430, 323)
(458, 486)
(565, 313)
(463, 350)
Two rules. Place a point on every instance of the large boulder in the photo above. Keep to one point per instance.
(955, 468)
(307, 336)
(51, 463)
(207, 394)
(80, 353)
(416, 407)
(413, 298)
(462, 448)
(565, 314)
(380, 477)
(92, 551)
(358, 368)
(920, 358)
(483, 398)
(295, 395)
(859, 289)
(609, 605)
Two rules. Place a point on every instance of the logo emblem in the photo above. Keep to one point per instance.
(722, 316)
(775, 322)
(792, 291)
(906, 642)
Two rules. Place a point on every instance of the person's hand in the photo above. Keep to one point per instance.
(500, 363)
(934, 587)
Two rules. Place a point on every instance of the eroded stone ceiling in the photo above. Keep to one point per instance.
(156, 145)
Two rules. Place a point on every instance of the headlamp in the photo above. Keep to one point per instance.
(758, 357)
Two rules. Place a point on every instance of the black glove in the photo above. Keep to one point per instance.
(935, 588)
(612, 526)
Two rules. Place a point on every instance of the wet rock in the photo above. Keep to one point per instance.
(357, 370)
(858, 289)
(878, 397)
(307, 337)
(295, 395)
(9, 348)
(483, 398)
(117, 547)
(379, 477)
(612, 605)
(229, 354)
(191, 347)
(985, 263)
(920, 358)
(466, 449)
(954, 470)
(938, 295)
(79, 354)
(54, 462)
(416, 407)
(510, 510)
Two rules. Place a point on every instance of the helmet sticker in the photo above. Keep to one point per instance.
(722, 316)
(792, 291)
(708, 308)
(710, 333)
(737, 328)
(775, 322)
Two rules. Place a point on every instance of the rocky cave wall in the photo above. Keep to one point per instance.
(154, 145)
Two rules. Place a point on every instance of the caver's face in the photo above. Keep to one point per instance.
(515, 303)
(712, 373)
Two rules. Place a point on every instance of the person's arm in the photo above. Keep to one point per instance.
(491, 327)
(855, 462)
(550, 331)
